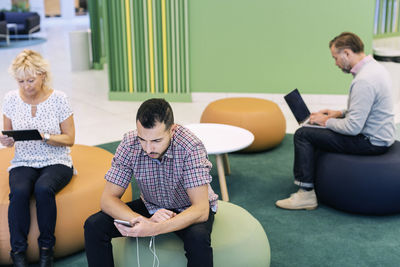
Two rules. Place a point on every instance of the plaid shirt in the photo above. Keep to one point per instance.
(163, 184)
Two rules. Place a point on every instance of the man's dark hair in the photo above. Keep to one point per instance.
(347, 40)
(155, 110)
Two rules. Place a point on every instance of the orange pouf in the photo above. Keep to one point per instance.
(261, 117)
(75, 202)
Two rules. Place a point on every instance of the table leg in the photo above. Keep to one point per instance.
(227, 167)
(221, 176)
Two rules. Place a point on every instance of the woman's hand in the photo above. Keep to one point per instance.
(6, 141)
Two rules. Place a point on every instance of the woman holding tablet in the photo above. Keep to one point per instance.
(42, 167)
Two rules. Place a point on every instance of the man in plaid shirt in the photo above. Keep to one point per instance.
(172, 170)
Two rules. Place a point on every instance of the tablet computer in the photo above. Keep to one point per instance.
(23, 135)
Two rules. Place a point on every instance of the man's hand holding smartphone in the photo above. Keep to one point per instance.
(126, 223)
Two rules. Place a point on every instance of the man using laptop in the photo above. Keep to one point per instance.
(365, 128)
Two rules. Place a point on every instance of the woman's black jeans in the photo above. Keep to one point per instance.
(307, 142)
(100, 229)
(43, 184)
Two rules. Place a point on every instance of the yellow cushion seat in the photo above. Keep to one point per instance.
(75, 202)
(261, 117)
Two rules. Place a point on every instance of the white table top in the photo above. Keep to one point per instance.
(221, 138)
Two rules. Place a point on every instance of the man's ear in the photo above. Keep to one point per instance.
(173, 129)
(348, 52)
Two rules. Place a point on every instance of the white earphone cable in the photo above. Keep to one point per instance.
(137, 252)
(153, 251)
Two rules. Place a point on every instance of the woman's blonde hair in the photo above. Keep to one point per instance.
(30, 63)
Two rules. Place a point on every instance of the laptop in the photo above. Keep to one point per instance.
(299, 109)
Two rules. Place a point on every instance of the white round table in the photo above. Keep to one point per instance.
(220, 139)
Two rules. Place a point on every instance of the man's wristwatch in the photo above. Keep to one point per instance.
(46, 137)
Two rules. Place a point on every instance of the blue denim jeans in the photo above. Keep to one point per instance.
(307, 142)
(43, 183)
(100, 229)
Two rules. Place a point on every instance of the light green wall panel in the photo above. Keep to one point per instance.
(264, 46)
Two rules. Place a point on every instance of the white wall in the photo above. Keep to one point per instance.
(5, 4)
(67, 9)
(37, 6)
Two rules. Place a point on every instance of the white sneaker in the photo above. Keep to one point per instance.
(302, 199)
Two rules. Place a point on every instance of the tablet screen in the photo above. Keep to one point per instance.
(23, 135)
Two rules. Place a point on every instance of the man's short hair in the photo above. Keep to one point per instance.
(155, 110)
(347, 40)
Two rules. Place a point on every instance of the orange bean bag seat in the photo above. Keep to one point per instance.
(75, 202)
(262, 117)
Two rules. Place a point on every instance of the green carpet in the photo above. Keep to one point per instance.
(321, 237)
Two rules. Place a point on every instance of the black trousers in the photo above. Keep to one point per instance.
(307, 142)
(100, 229)
(43, 183)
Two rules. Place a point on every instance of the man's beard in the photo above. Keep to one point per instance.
(346, 70)
(346, 66)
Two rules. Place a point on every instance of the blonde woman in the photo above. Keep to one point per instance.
(40, 168)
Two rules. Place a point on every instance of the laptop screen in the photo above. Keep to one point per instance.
(297, 106)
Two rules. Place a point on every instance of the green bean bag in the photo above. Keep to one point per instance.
(238, 239)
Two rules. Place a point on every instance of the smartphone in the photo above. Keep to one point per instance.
(126, 223)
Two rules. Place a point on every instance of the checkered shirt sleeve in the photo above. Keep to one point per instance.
(121, 170)
(196, 168)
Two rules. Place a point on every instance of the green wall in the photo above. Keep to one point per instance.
(264, 46)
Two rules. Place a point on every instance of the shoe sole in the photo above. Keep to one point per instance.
(311, 208)
(299, 208)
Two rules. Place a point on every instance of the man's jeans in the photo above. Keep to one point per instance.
(100, 229)
(307, 142)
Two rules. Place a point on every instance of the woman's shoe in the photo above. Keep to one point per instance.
(46, 257)
(19, 259)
